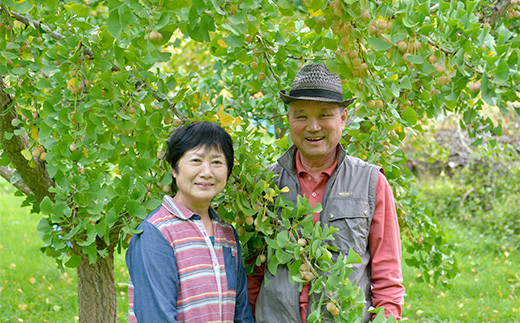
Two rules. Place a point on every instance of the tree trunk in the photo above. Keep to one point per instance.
(34, 176)
(499, 9)
(97, 290)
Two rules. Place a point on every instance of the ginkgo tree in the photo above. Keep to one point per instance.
(91, 90)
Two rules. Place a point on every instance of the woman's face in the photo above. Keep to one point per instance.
(201, 174)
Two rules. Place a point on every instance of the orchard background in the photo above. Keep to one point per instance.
(91, 90)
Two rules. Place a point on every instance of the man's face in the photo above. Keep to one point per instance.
(316, 128)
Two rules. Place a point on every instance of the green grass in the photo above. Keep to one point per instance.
(32, 288)
(487, 289)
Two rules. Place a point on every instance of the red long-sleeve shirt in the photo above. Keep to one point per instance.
(384, 243)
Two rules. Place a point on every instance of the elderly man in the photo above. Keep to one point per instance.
(355, 196)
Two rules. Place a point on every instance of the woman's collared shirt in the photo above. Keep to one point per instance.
(178, 274)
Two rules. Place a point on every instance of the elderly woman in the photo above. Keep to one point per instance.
(186, 264)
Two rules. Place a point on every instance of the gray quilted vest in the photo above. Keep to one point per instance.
(348, 204)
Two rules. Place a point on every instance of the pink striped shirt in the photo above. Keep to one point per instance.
(204, 293)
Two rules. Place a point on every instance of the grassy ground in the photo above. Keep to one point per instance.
(487, 290)
(32, 289)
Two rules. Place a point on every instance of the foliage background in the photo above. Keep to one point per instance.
(91, 90)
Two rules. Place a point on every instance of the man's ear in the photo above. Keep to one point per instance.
(344, 115)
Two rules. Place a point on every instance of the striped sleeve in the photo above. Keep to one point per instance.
(153, 272)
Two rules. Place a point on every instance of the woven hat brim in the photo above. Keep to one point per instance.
(286, 98)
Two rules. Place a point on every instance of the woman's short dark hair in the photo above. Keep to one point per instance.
(204, 135)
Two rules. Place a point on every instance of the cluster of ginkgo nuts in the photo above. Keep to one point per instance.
(305, 272)
(378, 27)
(254, 65)
(38, 151)
(375, 103)
(261, 75)
(474, 86)
(512, 13)
(332, 308)
(358, 66)
(249, 220)
(154, 36)
(337, 9)
(409, 47)
(440, 69)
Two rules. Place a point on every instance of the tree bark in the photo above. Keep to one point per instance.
(7, 173)
(97, 290)
(36, 178)
(498, 10)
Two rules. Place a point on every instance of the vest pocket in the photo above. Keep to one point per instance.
(230, 261)
(351, 218)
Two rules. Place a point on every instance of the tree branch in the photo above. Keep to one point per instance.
(30, 22)
(7, 173)
(172, 106)
(35, 177)
(36, 24)
(498, 10)
(10, 23)
(450, 53)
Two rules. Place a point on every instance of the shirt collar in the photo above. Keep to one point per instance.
(181, 211)
(300, 170)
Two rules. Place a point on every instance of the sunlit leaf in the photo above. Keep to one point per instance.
(410, 115)
(113, 23)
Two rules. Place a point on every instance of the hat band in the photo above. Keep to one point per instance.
(317, 93)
